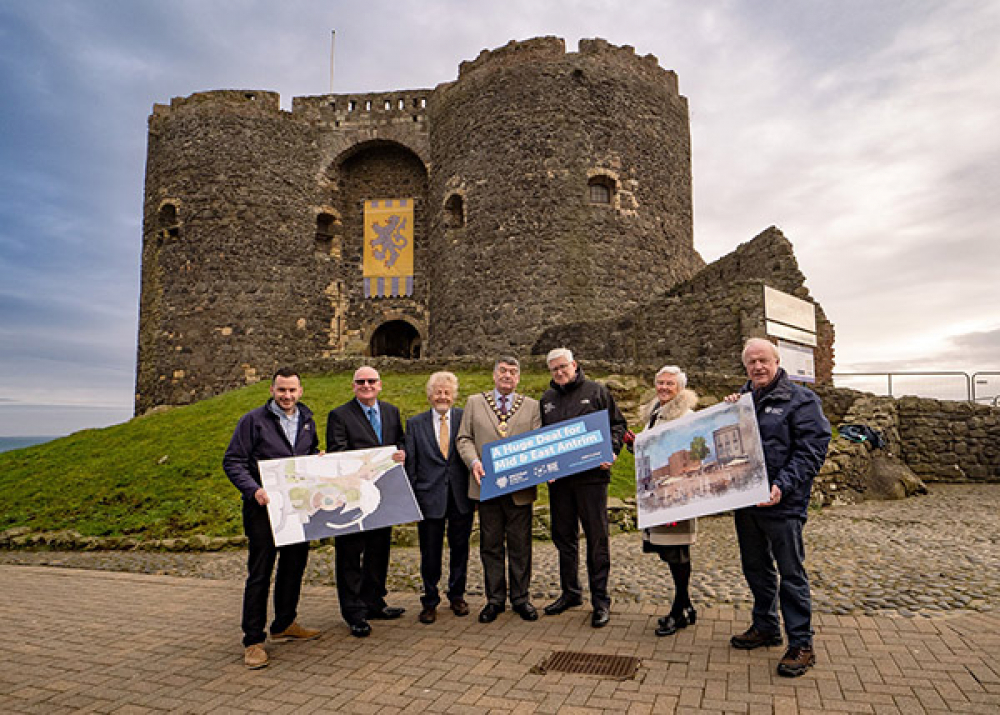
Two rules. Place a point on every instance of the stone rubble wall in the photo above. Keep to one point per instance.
(701, 324)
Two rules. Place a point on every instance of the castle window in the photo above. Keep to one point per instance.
(423, 103)
(368, 106)
(388, 105)
(416, 103)
(168, 222)
(601, 189)
(402, 104)
(352, 105)
(454, 211)
(326, 240)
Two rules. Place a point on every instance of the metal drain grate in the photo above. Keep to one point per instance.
(618, 667)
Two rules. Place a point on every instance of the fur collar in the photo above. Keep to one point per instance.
(685, 401)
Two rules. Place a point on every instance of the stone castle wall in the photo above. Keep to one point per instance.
(228, 235)
(519, 136)
(252, 231)
(701, 324)
(940, 440)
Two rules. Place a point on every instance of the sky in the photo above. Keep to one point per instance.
(866, 131)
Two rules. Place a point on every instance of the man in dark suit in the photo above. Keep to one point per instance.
(362, 558)
(440, 483)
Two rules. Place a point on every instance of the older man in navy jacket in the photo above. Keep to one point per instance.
(283, 427)
(794, 434)
(440, 482)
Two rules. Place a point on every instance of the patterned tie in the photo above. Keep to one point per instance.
(503, 404)
(444, 434)
(376, 423)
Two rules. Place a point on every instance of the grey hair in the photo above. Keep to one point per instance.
(443, 376)
(754, 341)
(506, 360)
(682, 378)
(557, 353)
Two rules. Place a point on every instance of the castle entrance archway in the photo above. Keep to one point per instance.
(396, 338)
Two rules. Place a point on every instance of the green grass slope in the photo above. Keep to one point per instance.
(160, 475)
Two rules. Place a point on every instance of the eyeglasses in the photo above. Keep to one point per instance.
(366, 381)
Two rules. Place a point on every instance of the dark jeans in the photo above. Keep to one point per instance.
(261, 556)
(766, 543)
(505, 535)
(573, 505)
(431, 533)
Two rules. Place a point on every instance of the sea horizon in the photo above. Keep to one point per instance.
(8, 444)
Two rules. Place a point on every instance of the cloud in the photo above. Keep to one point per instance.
(866, 131)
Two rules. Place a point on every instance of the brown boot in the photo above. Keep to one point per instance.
(255, 657)
(796, 662)
(752, 638)
(295, 632)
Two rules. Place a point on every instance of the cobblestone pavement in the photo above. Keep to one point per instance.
(921, 556)
(88, 640)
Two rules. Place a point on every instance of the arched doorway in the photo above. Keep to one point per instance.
(397, 338)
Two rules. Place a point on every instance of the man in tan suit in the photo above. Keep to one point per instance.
(489, 416)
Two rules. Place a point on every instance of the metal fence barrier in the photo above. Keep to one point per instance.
(980, 387)
(986, 388)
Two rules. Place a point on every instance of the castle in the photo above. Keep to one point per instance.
(549, 199)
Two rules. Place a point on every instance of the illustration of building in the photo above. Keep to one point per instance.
(728, 444)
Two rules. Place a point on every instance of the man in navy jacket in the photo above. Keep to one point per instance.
(581, 499)
(440, 482)
(794, 434)
(283, 427)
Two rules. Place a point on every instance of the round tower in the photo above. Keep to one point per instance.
(231, 286)
(562, 187)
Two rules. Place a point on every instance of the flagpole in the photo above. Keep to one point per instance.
(333, 42)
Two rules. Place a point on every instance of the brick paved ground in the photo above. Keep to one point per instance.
(117, 642)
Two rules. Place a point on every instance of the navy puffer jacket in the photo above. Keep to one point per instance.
(795, 434)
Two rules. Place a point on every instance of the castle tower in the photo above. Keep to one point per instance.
(228, 271)
(563, 188)
(546, 188)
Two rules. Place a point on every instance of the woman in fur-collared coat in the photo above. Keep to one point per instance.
(672, 543)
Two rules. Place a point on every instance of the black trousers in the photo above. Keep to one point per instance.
(505, 535)
(573, 505)
(362, 567)
(261, 556)
(431, 533)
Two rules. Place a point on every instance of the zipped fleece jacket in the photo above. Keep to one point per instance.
(795, 434)
(259, 436)
(581, 397)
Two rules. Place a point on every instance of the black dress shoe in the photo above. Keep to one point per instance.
(526, 611)
(386, 613)
(600, 618)
(490, 613)
(361, 629)
(668, 625)
(563, 603)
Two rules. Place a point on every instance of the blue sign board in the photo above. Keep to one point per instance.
(544, 454)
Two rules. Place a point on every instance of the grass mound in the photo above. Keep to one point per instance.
(160, 476)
